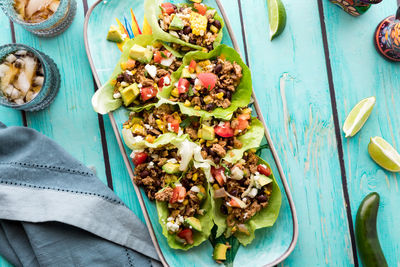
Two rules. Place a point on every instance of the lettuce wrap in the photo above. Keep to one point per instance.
(266, 217)
(103, 101)
(205, 221)
(239, 98)
(153, 11)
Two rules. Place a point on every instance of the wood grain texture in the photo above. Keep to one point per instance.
(291, 85)
(69, 120)
(359, 72)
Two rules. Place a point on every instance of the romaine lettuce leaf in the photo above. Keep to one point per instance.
(137, 144)
(152, 11)
(240, 98)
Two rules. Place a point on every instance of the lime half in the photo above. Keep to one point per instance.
(358, 116)
(384, 154)
(277, 17)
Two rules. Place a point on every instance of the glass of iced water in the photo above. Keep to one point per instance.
(45, 18)
(29, 79)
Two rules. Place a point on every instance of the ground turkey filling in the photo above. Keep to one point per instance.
(193, 192)
(149, 77)
(196, 24)
(150, 124)
(243, 182)
(150, 175)
(210, 84)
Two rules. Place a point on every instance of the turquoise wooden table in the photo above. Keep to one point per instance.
(307, 80)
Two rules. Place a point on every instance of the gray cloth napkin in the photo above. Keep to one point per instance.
(55, 212)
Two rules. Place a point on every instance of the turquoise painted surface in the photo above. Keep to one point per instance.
(291, 84)
(359, 73)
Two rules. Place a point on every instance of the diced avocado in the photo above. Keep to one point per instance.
(141, 53)
(220, 252)
(176, 24)
(263, 180)
(207, 132)
(171, 168)
(194, 222)
(196, 1)
(115, 35)
(130, 93)
(186, 73)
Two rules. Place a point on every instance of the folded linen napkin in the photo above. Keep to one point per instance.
(55, 212)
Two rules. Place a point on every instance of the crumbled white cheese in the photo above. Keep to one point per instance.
(134, 152)
(170, 219)
(124, 84)
(148, 127)
(244, 199)
(221, 123)
(139, 85)
(197, 82)
(180, 219)
(150, 165)
(167, 80)
(195, 189)
(172, 226)
(236, 173)
(180, 132)
(138, 139)
(172, 160)
(117, 95)
(253, 193)
(167, 61)
(129, 72)
(151, 70)
(170, 127)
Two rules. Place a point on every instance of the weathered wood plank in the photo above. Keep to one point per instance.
(291, 85)
(8, 116)
(359, 72)
(69, 120)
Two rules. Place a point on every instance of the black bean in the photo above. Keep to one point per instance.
(224, 209)
(218, 68)
(187, 30)
(221, 91)
(228, 94)
(192, 41)
(234, 192)
(210, 106)
(217, 159)
(209, 47)
(262, 198)
(120, 78)
(229, 141)
(217, 24)
(144, 173)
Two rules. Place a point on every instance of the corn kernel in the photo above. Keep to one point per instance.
(234, 228)
(204, 63)
(202, 189)
(194, 178)
(126, 126)
(161, 125)
(187, 103)
(150, 138)
(208, 99)
(138, 129)
(175, 92)
(215, 186)
(214, 29)
(197, 107)
(198, 23)
(136, 120)
(113, 82)
(185, 202)
(220, 95)
(253, 150)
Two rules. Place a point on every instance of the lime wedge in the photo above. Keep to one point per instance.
(358, 116)
(384, 154)
(277, 17)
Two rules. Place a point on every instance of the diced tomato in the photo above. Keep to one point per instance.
(183, 85)
(186, 234)
(243, 122)
(202, 9)
(218, 174)
(192, 66)
(157, 57)
(164, 81)
(147, 93)
(174, 124)
(178, 194)
(233, 203)
(139, 158)
(261, 168)
(208, 80)
(168, 8)
(224, 130)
